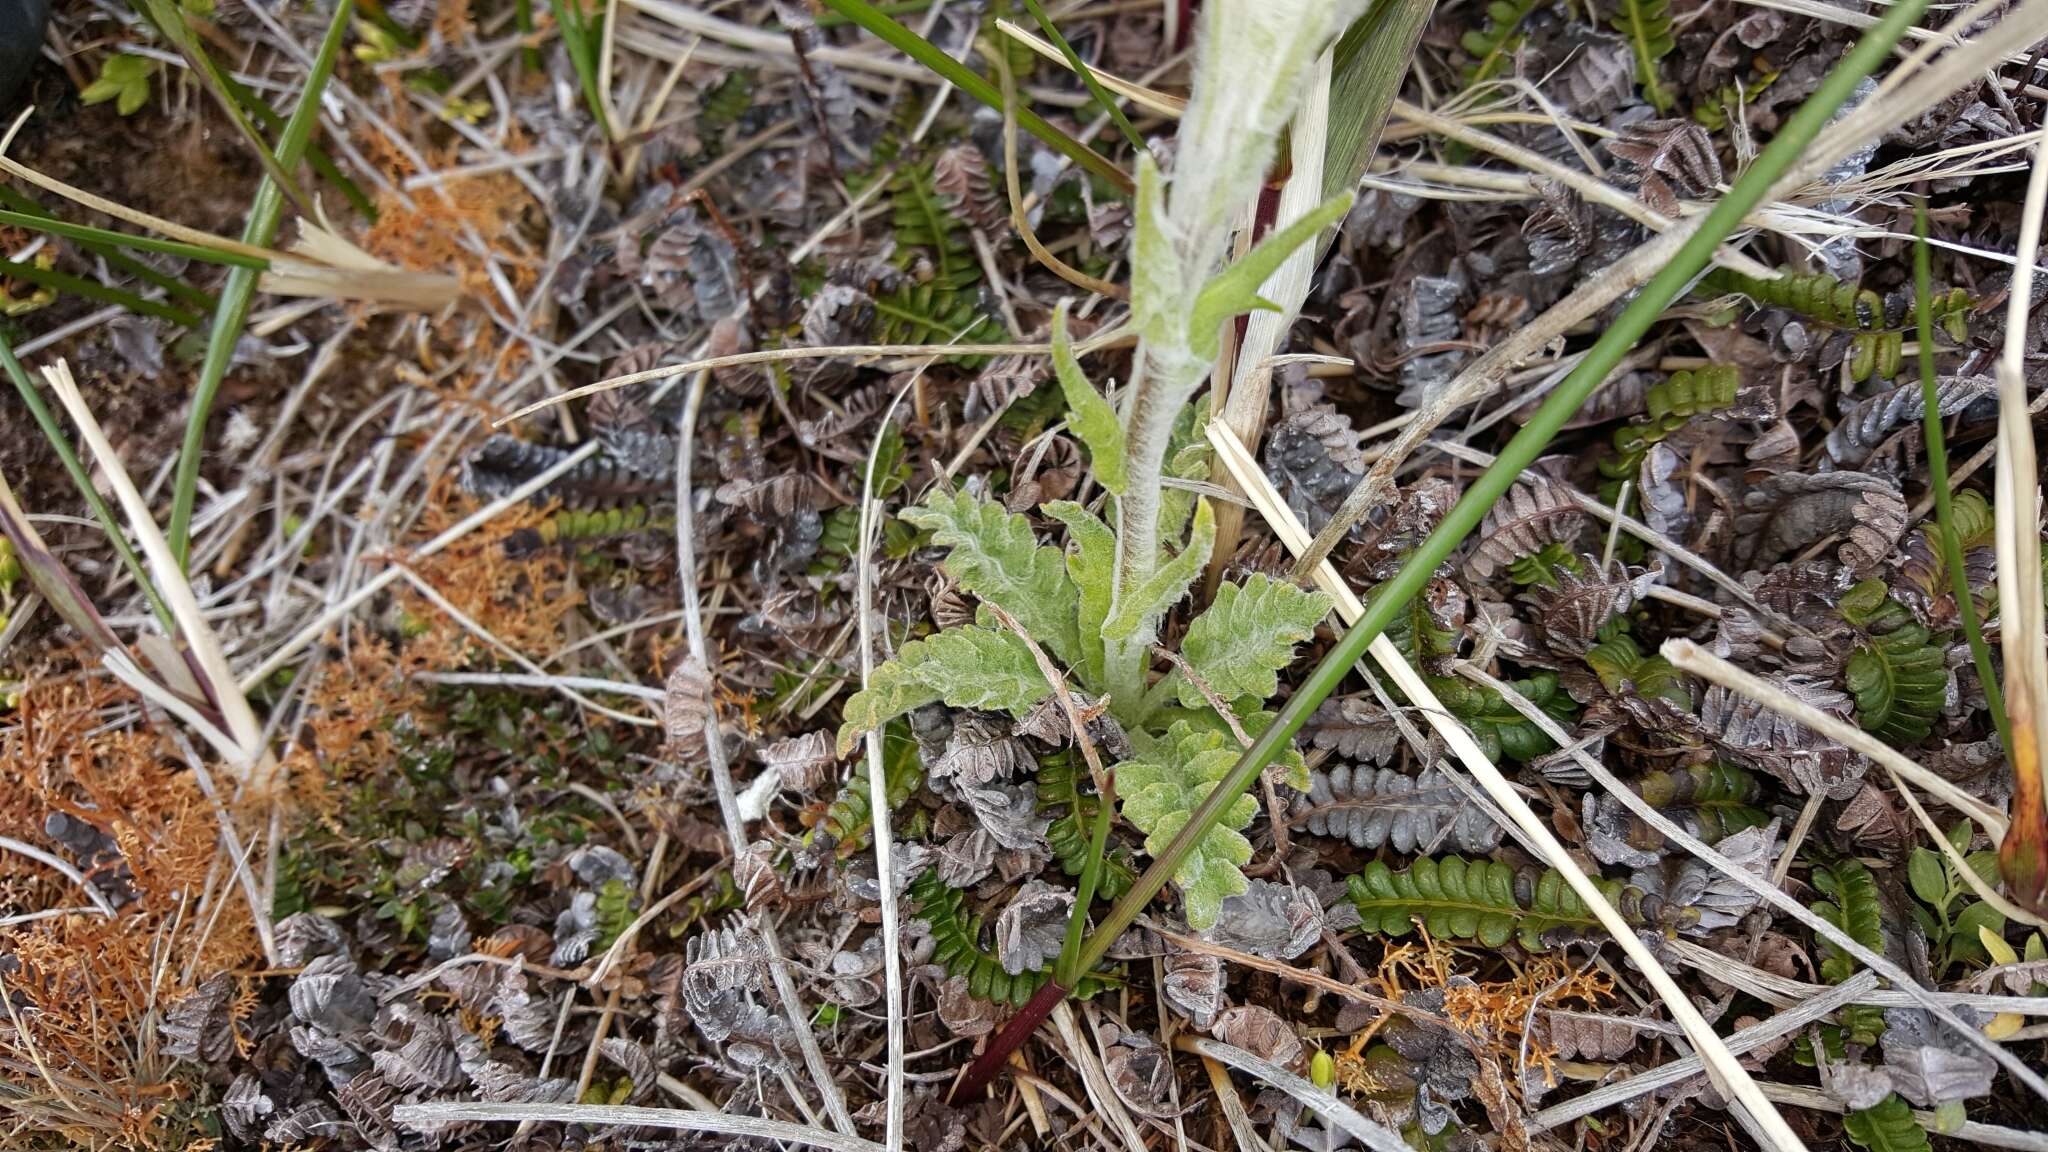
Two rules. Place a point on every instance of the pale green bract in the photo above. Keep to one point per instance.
(967, 667)
(1247, 635)
(1088, 414)
(1160, 788)
(995, 556)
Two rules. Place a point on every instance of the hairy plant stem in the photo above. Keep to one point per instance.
(1803, 127)
(1937, 476)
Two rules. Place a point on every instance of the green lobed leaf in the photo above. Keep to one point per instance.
(967, 667)
(1235, 290)
(1162, 786)
(1248, 634)
(1091, 564)
(1089, 415)
(995, 555)
(1140, 613)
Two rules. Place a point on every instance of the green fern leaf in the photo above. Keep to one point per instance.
(1619, 661)
(849, 819)
(1671, 402)
(1059, 791)
(1162, 786)
(1089, 415)
(956, 936)
(1493, 43)
(1887, 1126)
(1647, 26)
(1899, 675)
(1498, 727)
(967, 667)
(1489, 902)
(614, 911)
(995, 556)
(1248, 634)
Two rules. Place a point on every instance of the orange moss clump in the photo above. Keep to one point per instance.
(80, 1054)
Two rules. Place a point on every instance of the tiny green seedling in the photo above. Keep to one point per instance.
(124, 79)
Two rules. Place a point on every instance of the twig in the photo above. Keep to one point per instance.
(721, 771)
(1374, 1136)
(878, 784)
(682, 1119)
(1690, 657)
(1784, 1023)
(63, 867)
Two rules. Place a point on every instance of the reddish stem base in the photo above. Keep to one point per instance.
(990, 1063)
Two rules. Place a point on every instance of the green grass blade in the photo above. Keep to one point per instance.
(1087, 74)
(54, 433)
(1367, 67)
(107, 238)
(1937, 476)
(581, 42)
(233, 310)
(94, 290)
(116, 259)
(931, 56)
(1391, 598)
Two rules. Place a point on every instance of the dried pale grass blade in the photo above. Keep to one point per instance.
(252, 763)
(2023, 855)
(1690, 657)
(1722, 1067)
(1375, 1136)
(610, 1115)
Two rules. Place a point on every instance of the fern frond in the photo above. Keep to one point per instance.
(922, 221)
(1491, 902)
(1887, 1126)
(1619, 659)
(1899, 675)
(1494, 42)
(1817, 296)
(850, 819)
(1646, 24)
(1852, 906)
(1541, 568)
(1671, 403)
(1499, 728)
(956, 935)
(615, 901)
(1059, 790)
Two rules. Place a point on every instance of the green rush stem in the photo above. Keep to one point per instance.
(1087, 74)
(94, 290)
(1937, 474)
(240, 289)
(522, 17)
(54, 433)
(100, 239)
(574, 25)
(20, 205)
(1614, 344)
(931, 56)
(316, 157)
(898, 8)
(1067, 972)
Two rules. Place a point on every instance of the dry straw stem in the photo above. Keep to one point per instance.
(251, 761)
(1095, 1080)
(2023, 857)
(1110, 338)
(721, 770)
(607, 1116)
(1687, 656)
(1910, 992)
(1733, 1080)
(320, 264)
(1377, 1137)
(878, 783)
